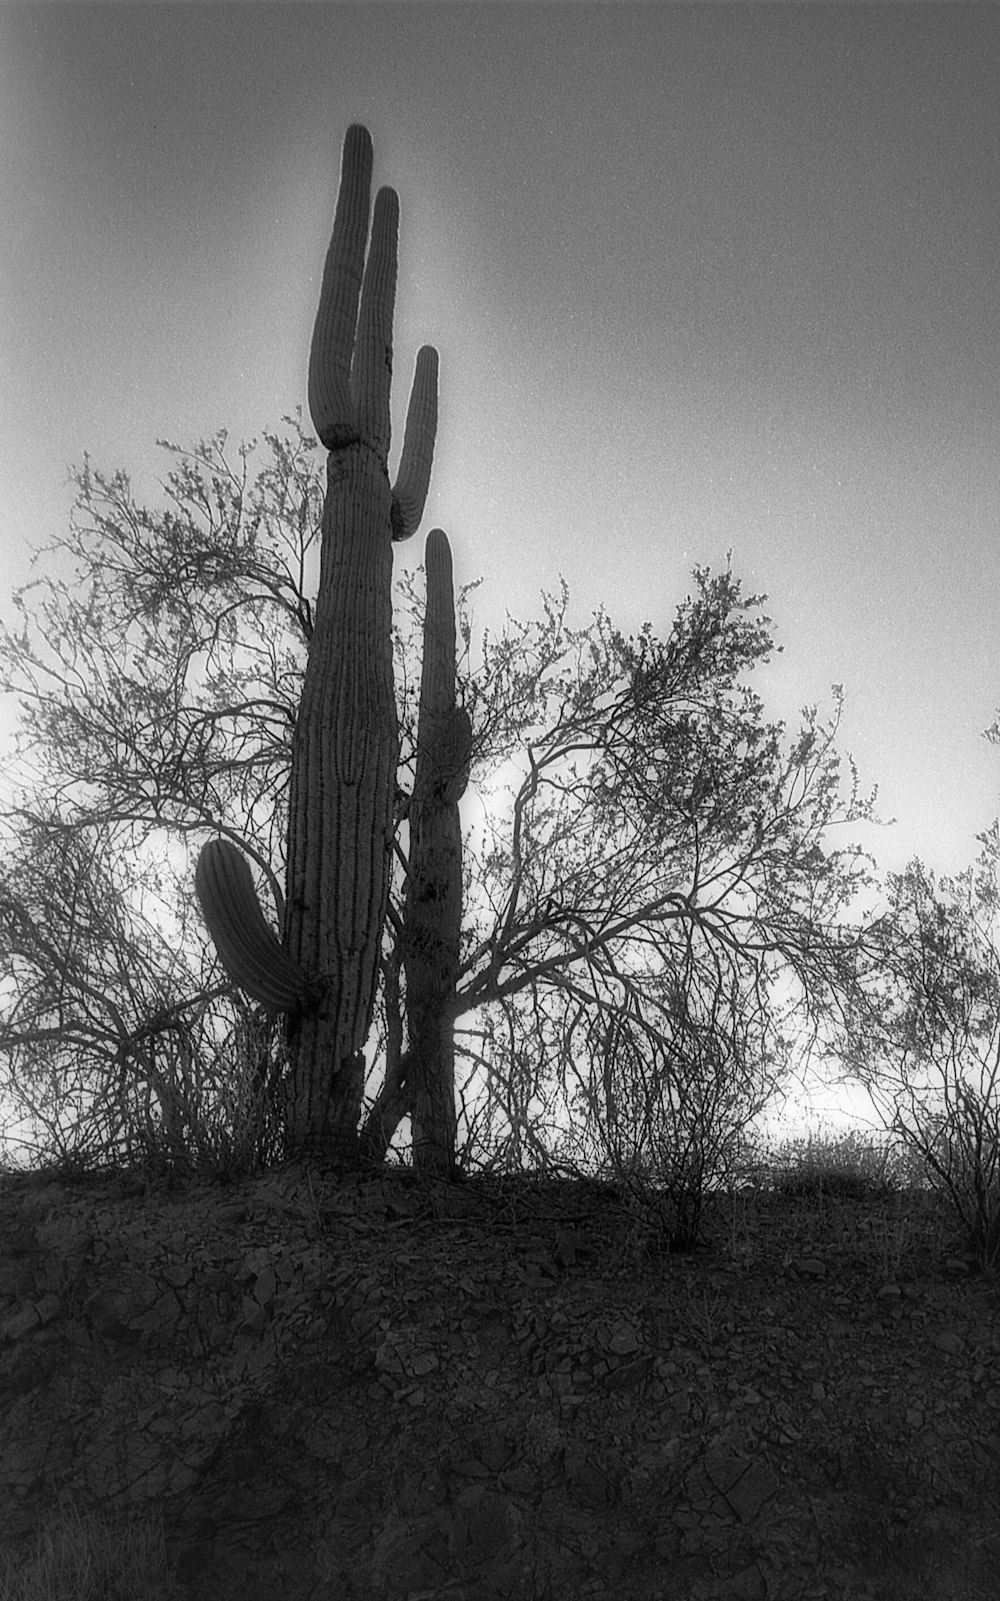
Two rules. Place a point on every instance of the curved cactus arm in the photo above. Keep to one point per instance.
(372, 369)
(409, 492)
(262, 862)
(330, 399)
(247, 947)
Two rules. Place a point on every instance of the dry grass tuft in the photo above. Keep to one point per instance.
(78, 1556)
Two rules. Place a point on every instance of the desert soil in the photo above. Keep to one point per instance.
(395, 1389)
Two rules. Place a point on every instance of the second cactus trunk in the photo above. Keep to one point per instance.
(433, 910)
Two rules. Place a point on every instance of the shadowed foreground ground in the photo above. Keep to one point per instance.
(389, 1388)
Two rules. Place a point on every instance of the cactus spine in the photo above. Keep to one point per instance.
(432, 919)
(345, 744)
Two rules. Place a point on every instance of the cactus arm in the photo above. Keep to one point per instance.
(262, 863)
(409, 492)
(372, 368)
(330, 400)
(248, 949)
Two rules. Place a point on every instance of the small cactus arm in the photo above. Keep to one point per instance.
(247, 947)
(346, 743)
(432, 915)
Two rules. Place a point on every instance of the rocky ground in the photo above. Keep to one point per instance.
(392, 1389)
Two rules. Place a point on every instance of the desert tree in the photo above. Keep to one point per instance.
(658, 903)
(661, 830)
(156, 663)
(659, 870)
(115, 1051)
(923, 1034)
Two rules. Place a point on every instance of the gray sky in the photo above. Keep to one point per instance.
(700, 278)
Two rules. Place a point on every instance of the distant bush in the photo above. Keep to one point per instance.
(845, 1168)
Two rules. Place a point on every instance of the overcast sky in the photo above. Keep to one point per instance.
(700, 278)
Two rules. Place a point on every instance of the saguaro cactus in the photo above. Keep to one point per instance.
(345, 744)
(432, 915)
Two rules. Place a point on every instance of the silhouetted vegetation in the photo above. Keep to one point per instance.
(655, 925)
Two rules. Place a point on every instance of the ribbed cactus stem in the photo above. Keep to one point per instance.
(323, 971)
(330, 402)
(445, 732)
(345, 745)
(409, 492)
(349, 376)
(433, 909)
(247, 947)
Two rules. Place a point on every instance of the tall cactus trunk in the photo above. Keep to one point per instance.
(346, 740)
(432, 918)
(323, 972)
(344, 756)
